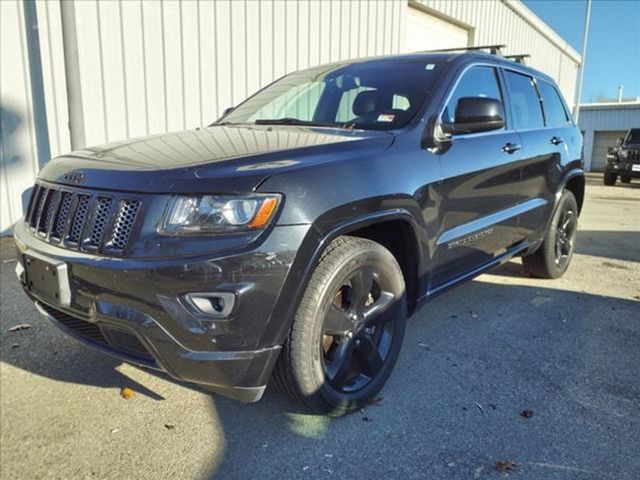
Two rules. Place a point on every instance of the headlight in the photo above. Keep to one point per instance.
(623, 153)
(210, 214)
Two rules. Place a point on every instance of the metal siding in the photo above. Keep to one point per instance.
(610, 118)
(18, 150)
(498, 22)
(148, 66)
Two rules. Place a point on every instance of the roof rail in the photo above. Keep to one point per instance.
(493, 49)
(519, 58)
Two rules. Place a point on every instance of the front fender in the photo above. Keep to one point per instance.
(318, 237)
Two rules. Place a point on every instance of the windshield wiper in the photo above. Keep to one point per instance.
(294, 121)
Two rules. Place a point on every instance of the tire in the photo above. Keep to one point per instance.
(609, 178)
(553, 256)
(625, 178)
(328, 364)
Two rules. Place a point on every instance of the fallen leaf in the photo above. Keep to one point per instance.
(366, 419)
(454, 316)
(505, 465)
(421, 344)
(127, 393)
(115, 430)
(20, 326)
(15, 345)
(526, 413)
(169, 426)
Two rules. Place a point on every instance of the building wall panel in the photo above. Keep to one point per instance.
(148, 66)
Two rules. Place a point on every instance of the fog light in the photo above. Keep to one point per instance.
(214, 304)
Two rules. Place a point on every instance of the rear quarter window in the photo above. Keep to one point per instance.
(554, 112)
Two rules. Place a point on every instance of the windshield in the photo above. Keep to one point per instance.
(633, 136)
(380, 95)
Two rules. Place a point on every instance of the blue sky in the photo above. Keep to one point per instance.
(613, 49)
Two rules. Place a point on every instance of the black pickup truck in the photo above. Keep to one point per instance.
(292, 238)
(624, 160)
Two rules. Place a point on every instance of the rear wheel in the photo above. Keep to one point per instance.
(625, 178)
(609, 178)
(552, 258)
(348, 329)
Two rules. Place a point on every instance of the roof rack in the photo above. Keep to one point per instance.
(519, 58)
(493, 49)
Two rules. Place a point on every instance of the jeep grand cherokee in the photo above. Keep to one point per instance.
(292, 238)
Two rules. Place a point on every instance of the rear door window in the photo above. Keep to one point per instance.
(554, 113)
(525, 103)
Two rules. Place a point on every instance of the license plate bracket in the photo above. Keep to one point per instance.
(47, 279)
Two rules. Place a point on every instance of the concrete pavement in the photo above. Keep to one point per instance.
(472, 361)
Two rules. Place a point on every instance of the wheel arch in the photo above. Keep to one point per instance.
(575, 183)
(396, 229)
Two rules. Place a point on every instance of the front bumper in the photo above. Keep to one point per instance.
(134, 309)
(622, 167)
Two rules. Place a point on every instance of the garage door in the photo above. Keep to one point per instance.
(601, 142)
(428, 32)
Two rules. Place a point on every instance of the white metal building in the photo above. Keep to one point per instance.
(147, 66)
(602, 124)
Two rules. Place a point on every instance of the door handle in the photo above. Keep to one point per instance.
(556, 140)
(511, 147)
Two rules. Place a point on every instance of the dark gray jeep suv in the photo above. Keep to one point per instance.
(624, 160)
(292, 238)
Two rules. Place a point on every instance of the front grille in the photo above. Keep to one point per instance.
(81, 327)
(79, 219)
(115, 339)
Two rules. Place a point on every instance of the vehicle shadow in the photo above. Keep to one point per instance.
(617, 245)
(472, 360)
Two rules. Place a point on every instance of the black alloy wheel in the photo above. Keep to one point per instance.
(551, 259)
(565, 236)
(357, 332)
(348, 329)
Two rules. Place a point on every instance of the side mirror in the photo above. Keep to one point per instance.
(228, 110)
(476, 114)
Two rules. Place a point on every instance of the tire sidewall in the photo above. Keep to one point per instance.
(567, 200)
(384, 264)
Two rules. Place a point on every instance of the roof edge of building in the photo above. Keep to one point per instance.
(596, 106)
(536, 22)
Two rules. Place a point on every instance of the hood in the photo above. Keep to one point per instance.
(217, 159)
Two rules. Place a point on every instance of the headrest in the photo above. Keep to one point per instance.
(365, 102)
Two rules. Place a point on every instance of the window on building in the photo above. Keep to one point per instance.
(554, 112)
(476, 82)
(525, 103)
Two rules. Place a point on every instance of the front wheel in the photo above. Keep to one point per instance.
(609, 178)
(552, 258)
(347, 331)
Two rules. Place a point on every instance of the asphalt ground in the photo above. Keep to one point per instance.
(473, 361)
